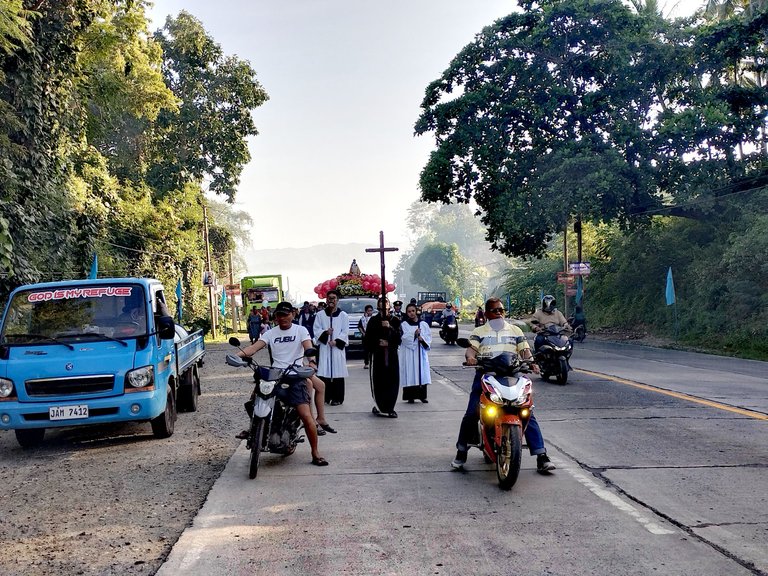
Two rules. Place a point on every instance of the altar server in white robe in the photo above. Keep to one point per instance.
(331, 329)
(414, 361)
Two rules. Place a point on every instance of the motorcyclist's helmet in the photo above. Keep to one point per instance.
(548, 303)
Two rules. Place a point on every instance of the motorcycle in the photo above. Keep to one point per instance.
(449, 330)
(274, 426)
(553, 354)
(505, 408)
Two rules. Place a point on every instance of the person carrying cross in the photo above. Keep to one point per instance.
(382, 339)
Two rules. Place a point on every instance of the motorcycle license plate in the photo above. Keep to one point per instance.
(68, 412)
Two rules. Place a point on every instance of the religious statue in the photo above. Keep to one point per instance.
(354, 268)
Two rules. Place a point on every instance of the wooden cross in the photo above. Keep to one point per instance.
(381, 251)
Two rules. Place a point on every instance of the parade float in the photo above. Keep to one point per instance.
(354, 283)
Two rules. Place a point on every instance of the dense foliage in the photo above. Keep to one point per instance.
(584, 107)
(653, 132)
(98, 150)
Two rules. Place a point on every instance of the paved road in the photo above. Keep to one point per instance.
(647, 482)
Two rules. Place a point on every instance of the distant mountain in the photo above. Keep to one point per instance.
(304, 268)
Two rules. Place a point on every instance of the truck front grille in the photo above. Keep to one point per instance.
(67, 386)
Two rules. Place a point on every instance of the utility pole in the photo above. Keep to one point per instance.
(565, 268)
(208, 268)
(232, 294)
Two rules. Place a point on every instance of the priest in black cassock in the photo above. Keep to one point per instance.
(382, 339)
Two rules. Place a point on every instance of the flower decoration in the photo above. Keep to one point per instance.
(353, 285)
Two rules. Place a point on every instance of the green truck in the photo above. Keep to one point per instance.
(260, 290)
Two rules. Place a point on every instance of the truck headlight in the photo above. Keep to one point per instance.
(141, 377)
(6, 388)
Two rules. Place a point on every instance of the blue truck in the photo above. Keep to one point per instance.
(86, 352)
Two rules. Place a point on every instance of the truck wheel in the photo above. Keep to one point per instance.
(30, 438)
(163, 425)
(189, 391)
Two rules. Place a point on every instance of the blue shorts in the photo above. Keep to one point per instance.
(295, 394)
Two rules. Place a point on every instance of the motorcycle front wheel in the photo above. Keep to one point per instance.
(509, 456)
(562, 375)
(257, 440)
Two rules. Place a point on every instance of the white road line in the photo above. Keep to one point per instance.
(617, 502)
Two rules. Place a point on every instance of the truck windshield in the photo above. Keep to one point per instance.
(75, 313)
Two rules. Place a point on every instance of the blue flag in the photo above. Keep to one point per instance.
(94, 267)
(579, 289)
(670, 293)
(178, 300)
(223, 303)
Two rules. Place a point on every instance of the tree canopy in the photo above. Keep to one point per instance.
(585, 107)
(109, 136)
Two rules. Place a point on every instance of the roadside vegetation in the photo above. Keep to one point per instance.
(109, 134)
(649, 132)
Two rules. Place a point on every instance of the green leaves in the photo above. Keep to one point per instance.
(587, 107)
(205, 138)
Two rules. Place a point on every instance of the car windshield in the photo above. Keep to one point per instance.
(74, 313)
(356, 305)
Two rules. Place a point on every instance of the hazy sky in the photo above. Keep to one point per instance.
(345, 79)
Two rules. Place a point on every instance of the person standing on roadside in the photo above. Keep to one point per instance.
(254, 324)
(383, 338)
(331, 330)
(362, 325)
(307, 319)
(414, 362)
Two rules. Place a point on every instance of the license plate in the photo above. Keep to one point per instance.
(68, 412)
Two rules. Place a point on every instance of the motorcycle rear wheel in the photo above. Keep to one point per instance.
(509, 456)
(257, 440)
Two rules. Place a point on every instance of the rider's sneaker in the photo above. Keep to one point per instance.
(460, 460)
(544, 464)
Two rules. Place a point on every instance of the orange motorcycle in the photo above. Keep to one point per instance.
(505, 407)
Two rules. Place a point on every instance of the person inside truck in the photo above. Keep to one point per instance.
(132, 321)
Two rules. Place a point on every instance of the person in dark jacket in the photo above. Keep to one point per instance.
(382, 339)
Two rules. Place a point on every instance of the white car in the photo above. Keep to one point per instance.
(354, 306)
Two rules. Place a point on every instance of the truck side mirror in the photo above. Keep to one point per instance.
(165, 327)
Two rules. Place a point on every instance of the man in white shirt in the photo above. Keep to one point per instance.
(287, 342)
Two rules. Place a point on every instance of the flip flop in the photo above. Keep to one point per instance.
(320, 431)
(327, 428)
(320, 461)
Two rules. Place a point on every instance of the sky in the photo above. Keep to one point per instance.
(345, 78)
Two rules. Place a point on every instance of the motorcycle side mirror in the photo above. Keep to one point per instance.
(310, 352)
(234, 341)
(462, 342)
(233, 360)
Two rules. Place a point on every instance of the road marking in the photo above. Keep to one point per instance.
(679, 395)
(616, 502)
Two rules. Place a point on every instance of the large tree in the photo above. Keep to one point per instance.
(206, 137)
(586, 107)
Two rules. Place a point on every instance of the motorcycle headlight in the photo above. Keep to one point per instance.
(140, 377)
(491, 411)
(266, 387)
(495, 398)
(6, 387)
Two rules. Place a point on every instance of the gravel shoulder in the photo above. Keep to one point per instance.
(113, 500)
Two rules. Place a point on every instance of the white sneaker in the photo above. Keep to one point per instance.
(459, 461)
